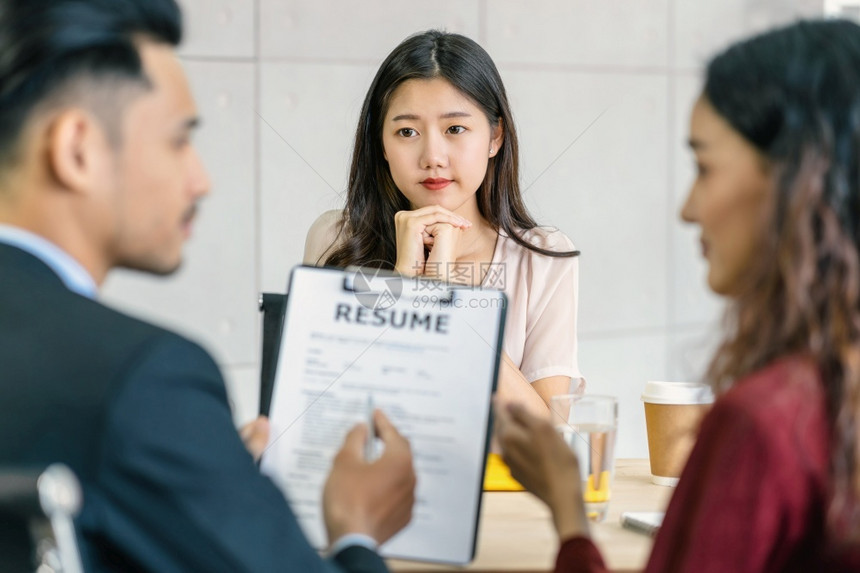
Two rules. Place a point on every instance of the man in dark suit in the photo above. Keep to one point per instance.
(96, 172)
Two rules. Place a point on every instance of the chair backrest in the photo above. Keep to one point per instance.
(37, 512)
(273, 306)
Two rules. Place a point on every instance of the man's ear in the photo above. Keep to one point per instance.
(497, 138)
(76, 150)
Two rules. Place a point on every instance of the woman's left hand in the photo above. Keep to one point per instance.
(442, 241)
(544, 464)
(432, 227)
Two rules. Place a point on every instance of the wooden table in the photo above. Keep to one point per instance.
(516, 533)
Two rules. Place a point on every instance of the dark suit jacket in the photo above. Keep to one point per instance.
(141, 415)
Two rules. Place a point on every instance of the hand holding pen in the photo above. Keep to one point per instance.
(374, 498)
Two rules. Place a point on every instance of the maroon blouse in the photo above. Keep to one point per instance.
(754, 492)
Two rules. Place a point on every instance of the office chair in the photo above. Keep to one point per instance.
(37, 511)
(273, 306)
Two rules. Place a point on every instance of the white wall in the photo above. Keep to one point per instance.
(600, 90)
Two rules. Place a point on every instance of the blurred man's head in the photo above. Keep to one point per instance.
(95, 122)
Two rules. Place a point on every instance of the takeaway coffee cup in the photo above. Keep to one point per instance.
(673, 411)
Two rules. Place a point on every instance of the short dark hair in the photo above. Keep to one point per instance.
(47, 45)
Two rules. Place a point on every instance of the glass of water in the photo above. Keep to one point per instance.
(588, 424)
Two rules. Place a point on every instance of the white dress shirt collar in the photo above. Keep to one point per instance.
(74, 276)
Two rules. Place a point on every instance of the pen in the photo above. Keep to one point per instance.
(371, 431)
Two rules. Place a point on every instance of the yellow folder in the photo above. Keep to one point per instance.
(497, 476)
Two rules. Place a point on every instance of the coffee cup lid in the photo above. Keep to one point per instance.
(657, 392)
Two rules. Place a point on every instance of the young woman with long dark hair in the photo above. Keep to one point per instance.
(773, 482)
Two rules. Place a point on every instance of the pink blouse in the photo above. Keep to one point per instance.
(540, 332)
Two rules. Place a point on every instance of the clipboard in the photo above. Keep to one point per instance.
(427, 354)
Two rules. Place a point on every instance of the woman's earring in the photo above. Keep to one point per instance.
(491, 152)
